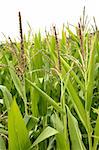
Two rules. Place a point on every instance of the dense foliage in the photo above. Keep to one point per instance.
(49, 90)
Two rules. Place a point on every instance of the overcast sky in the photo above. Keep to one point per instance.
(43, 13)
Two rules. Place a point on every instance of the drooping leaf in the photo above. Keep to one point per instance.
(46, 97)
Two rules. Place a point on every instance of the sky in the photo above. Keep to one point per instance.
(42, 13)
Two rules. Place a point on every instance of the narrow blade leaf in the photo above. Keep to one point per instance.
(18, 135)
(74, 131)
(48, 132)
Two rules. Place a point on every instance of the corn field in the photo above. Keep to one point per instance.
(49, 89)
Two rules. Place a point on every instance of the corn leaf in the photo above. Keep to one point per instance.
(48, 132)
(77, 103)
(75, 135)
(91, 71)
(62, 142)
(18, 135)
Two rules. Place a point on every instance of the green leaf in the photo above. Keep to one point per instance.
(2, 144)
(48, 132)
(75, 135)
(7, 96)
(18, 134)
(46, 97)
(91, 72)
(62, 143)
(77, 103)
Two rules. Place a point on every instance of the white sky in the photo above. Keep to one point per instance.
(43, 13)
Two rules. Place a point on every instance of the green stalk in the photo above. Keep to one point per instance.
(25, 101)
(90, 141)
